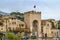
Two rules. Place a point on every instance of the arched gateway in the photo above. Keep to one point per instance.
(33, 21)
(35, 26)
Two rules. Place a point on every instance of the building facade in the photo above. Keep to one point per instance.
(11, 23)
(33, 22)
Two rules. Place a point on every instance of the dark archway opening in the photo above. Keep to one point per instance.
(35, 29)
(35, 26)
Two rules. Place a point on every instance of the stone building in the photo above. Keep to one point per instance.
(33, 22)
(11, 23)
(46, 27)
(49, 27)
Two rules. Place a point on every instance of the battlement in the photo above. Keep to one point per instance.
(32, 12)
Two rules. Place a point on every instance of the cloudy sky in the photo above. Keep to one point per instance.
(49, 8)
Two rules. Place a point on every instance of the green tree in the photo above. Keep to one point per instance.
(12, 36)
(59, 24)
(18, 15)
(59, 38)
(1, 15)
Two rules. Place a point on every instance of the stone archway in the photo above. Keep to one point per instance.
(35, 27)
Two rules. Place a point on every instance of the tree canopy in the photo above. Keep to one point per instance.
(12, 36)
(59, 24)
(18, 15)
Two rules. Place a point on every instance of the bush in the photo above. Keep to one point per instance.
(59, 38)
(12, 36)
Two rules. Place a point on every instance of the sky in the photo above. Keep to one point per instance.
(50, 9)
